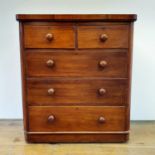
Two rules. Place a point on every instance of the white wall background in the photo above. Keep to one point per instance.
(143, 85)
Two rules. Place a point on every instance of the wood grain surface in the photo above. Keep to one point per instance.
(36, 37)
(76, 77)
(76, 92)
(76, 118)
(78, 63)
(90, 36)
(77, 17)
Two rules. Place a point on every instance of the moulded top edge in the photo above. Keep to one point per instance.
(77, 17)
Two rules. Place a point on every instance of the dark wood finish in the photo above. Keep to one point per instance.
(76, 77)
(77, 92)
(23, 75)
(77, 17)
(49, 37)
(79, 63)
(130, 53)
(108, 137)
(77, 118)
(110, 36)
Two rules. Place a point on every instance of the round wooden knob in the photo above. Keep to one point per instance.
(50, 63)
(49, 37)
(103, 37)
(103, 63)
(101, 119)
(102, 91)
(51, 91)
(51, 118)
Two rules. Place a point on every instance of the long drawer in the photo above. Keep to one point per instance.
(78, 63)
(76, 118)
(76, 92)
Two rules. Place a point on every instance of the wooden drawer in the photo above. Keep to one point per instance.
(77, 118)
(49, 36)
(80, 63)
(77, 92)
(108, 36)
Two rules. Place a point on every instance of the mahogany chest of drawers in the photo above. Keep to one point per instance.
(76, 77)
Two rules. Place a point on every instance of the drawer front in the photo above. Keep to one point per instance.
(114, 36)
(77, 92)
(49, 36)
(81, 63)
(77, 118)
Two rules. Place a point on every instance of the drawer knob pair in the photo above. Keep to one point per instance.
(101, 91)
(103, 63)
(50, 63)
(51, 118)
(51, 91)
(49, 36)
(103, 37)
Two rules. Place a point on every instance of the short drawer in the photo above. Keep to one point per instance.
(80, 63)
(109, 36)
(49, 36)
(76, 92)
(77, 118)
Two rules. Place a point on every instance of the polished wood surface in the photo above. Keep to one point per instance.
(77, 17)
(23, 77)
(79, 63)
(110, 36)
(48, 37)
(77, 118)
(76, 68)
(76, 92)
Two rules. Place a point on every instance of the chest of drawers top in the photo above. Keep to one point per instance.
(92, 31)
(76, 75)
(78, 17)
